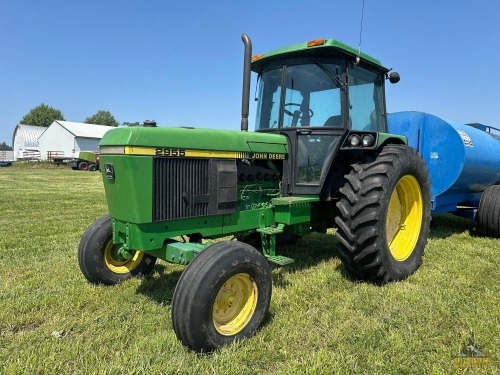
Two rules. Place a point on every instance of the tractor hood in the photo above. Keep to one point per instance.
(154, 141)
(142, 166)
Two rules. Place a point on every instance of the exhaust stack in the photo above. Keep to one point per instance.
(245, 98)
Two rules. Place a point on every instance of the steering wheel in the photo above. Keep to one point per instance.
(290, 113)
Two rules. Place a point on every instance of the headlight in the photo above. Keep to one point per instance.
(354, 140)
(367, 140)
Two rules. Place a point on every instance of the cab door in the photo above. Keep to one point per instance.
(312, 155)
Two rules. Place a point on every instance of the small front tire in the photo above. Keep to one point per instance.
(223, 295)
(99, 260)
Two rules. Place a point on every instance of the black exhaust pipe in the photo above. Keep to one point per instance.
(245, 98)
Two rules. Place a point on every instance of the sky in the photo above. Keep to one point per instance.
(180, 62)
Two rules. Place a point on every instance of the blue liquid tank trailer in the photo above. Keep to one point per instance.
(463, 159)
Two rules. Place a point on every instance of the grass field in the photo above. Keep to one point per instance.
(54, 322)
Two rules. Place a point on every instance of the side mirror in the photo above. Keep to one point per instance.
(394, 77)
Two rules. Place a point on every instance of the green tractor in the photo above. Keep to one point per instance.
(320, 157)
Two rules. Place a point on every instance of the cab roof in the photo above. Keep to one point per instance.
(317, 47)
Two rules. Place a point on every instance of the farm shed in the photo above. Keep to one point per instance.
(64, 138)
(25, 141)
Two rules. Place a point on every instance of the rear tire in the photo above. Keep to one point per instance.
(488, 215)
(384, 216)
(99, 261)
(223, 295)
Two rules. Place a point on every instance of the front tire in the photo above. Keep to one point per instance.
(384, 216)
(223, 295)
(99, 260)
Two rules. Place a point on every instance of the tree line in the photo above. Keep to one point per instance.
(44, 115)
(5, 147)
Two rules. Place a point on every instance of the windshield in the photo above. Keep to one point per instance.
(311, 94)
(308, 94)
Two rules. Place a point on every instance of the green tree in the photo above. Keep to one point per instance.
(5, 147)
(102, 118)
(43, 115)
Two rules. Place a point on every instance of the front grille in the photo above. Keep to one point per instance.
(181, 188)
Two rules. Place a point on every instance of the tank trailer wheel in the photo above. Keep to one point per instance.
(488, 215)
(100, 261)
(223, 295)
(384, 216)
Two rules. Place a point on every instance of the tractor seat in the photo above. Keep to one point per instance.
(334, 121)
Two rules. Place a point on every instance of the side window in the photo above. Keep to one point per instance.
(365, 100)
(268, 110)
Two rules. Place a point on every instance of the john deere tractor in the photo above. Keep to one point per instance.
(320, 157)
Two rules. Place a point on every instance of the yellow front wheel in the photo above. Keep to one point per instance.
(116, 263)
(223, 295)
(101, 261)
(234, 304)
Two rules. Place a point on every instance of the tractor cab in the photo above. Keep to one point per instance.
(324, 98)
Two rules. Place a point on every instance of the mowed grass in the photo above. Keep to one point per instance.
(52, 321)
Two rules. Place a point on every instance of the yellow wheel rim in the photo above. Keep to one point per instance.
(234, 304)
(116, 265)
(404, 217)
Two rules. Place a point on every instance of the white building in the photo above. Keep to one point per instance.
(25, 141)
(64, 138)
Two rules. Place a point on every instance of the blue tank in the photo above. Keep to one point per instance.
(463, 160)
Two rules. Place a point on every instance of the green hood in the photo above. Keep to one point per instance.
(198, 139)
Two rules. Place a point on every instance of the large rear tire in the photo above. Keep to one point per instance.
(488, 215)
(99, 260)
(223, 295)
(384, 216)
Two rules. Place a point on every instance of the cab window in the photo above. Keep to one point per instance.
(365, 100)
